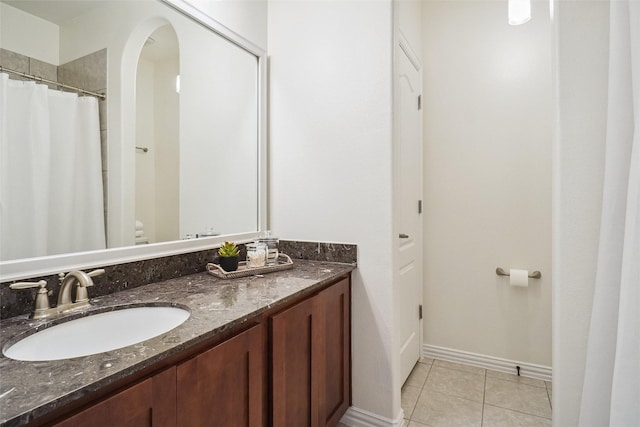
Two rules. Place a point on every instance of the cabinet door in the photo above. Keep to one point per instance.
(335, 303)
(151, 402)
(296, 351)
(224, 385)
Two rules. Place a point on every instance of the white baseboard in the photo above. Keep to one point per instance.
(488, 362)
(356, 417)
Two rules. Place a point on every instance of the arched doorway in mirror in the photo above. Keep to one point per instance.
(157, 135)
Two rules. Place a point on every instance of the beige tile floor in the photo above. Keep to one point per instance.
(445, 394)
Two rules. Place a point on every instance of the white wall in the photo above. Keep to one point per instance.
(145, 137)
(167, 146)
(408, 21)
(330, 161)
(248, 18)
(29, 35)
(582, 51)
(487, 181)
(218, 136)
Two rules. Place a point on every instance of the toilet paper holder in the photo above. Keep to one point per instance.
(533, 275)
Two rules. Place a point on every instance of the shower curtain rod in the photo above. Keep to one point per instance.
(61, 85)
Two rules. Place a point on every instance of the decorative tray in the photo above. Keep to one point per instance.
(284, 263)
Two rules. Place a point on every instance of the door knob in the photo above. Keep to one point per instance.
(403, 236)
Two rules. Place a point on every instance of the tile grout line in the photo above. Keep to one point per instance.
(422, 389)
(522, 411)
(519, 411)
(517, 382)
(420, 394)
(415, 405)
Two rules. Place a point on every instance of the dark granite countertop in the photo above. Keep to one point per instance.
(29, 390)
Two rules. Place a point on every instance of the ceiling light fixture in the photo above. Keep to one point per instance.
(519, 11)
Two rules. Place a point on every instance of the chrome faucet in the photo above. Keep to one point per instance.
(82, 281)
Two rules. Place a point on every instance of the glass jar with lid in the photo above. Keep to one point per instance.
(256, 254)
(272, 248)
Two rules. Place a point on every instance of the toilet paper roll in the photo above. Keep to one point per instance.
(519, 277)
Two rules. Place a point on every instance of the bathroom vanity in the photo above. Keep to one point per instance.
(255, 351)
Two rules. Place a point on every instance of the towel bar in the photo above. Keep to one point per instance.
(532, 275)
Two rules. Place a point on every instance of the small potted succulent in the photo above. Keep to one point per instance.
(229, 256)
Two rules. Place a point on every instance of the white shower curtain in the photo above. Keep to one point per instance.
(50, 172)
(611, 391)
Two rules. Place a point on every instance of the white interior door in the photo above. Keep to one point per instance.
(409, 190)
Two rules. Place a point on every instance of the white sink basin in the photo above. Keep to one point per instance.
(97, 333)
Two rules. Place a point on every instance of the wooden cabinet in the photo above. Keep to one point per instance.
(224, 385)
(151, 402)
(335, 304)
(296, 342)
(296, 373)
(310, 360)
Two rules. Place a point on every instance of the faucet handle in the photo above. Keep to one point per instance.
(81, 291)
(42, 297)
(94, 273)
(26, 285)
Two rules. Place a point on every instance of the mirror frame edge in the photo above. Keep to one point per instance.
(42, 266)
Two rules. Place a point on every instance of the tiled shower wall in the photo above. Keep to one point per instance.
(88, 72)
